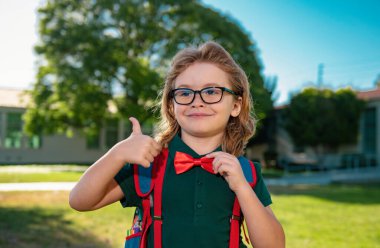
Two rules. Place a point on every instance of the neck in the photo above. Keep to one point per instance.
(202, 145)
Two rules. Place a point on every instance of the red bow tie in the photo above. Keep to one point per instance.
(184, 162)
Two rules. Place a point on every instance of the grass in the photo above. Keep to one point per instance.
(67, 173)
(40, 177)
(40, 173)
(44, 219)
(329, 216)
(326, 216)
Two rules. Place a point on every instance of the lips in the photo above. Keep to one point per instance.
(198, 114)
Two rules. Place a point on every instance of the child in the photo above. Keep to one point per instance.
(205, 109)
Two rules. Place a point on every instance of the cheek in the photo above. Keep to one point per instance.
(177, 110)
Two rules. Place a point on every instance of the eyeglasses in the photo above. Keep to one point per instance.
(210, 95)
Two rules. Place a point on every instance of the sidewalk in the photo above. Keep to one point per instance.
(323, 178)
(46, 186)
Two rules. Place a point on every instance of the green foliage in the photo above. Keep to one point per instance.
(96, 53)
(322, 117)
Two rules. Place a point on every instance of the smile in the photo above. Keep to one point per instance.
(198, 115)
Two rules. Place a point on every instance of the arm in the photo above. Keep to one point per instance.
(263, 228)
(97, 187)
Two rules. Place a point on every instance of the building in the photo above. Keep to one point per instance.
(365, 153)
(17, 148)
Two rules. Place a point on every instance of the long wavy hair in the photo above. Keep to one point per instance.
(239, 129)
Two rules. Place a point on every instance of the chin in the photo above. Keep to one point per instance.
(201, 133)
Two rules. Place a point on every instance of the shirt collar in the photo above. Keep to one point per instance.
(177, 144)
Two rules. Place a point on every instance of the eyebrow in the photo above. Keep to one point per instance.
(214, 84)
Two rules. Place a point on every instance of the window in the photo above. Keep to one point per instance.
(13, 134)
(35, 142)
(369, 131)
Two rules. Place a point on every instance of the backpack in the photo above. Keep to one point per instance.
(147, 179)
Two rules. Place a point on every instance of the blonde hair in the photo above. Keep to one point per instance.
(239, 129)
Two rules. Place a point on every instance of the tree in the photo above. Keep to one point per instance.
(96, 53)
(322, 118)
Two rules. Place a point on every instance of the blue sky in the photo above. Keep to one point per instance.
(293, 37)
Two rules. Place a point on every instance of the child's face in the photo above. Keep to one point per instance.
(200, 119)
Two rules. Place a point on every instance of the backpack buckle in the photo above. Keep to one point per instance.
(235, 217)
(155, 217)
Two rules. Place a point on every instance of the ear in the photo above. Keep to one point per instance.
(237, 107)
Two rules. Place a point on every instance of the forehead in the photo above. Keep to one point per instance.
(200, 75)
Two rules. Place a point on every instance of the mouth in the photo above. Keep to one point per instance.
(198, 115)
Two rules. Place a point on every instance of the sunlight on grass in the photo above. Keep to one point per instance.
(328, 216)
(44, 219)
(40, 177)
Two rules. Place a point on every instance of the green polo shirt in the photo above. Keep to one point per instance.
(196, 205)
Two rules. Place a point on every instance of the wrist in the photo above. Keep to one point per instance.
(115, 154)
(243, 188)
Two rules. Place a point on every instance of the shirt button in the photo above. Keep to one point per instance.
(199, 205)
(199, 183)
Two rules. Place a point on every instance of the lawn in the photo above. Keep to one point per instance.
(40, 173)
(326, 216)
(329, 216)
(64, 173)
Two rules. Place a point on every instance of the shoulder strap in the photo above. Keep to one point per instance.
(157, 199)
(249, 171)
(145, 180)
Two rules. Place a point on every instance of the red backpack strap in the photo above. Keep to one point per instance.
(236, 219)
(235, 225)
(144, 184)
(145, 180)
(157, 199)
(146, 221)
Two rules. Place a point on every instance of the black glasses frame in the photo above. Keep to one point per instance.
(224, 89)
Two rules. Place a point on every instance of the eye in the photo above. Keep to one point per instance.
(211, 91)
(183, 93)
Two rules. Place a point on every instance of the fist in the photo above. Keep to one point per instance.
(137, 148)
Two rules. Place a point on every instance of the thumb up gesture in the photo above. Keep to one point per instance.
(137, 148)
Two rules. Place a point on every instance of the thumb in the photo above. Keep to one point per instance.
(136, 129)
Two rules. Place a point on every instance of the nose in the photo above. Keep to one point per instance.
(197, 100)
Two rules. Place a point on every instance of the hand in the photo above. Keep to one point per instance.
(229, 167)
(137, 148)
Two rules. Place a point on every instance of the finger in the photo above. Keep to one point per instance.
(136, 129)
(213, 154)
(145, 164)
(216, 164)
(154, 152)
(156, 146)
(223, 170)
(149, 157)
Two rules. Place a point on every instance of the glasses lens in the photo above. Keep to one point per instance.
(212, 95)
(183, 96)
